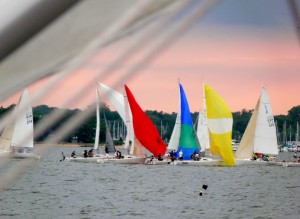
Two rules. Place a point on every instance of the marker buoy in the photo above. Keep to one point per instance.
(202, 190)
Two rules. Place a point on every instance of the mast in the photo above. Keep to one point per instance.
(96, 145)
(297, 132)
(284, 137)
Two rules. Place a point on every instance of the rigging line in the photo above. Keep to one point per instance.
(133, 14)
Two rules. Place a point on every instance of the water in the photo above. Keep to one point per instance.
(54, 189)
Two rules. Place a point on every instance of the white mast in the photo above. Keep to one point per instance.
(96, 145)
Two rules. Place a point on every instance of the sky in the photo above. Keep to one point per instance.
(238, 48)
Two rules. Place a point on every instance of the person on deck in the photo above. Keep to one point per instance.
(73, 154)
(159, 157)
(85, 153)
(90, 153)
(180, 155)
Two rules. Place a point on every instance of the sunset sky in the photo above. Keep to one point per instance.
(238, 48)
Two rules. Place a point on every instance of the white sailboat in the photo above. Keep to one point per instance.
(120, 103)
(110, 148)
(260, 135)
(16, 140)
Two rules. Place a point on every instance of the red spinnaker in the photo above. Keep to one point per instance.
(144, 130)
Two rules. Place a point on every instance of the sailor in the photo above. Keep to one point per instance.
(159, 157)
(73, 154)
(90, 153)
(85, 153)
(180, 155)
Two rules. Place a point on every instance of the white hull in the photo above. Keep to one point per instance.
(202, 162)
(127, 160)
(18, 155)
(158, 162)
(284, 164)
(250, 162)
(98, 158)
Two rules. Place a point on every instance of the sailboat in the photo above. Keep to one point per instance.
(109, 142)
(16, 140)
(260, 134)
(137, 154)
(184, 137)
(214, 131)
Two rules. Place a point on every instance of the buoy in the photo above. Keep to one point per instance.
(202, 190)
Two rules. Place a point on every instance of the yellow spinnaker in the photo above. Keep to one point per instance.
(219, 119)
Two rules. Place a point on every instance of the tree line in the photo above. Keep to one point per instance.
(164, 122)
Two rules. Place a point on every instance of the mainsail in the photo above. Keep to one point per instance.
(144, 130)
(202, 127)
(175, 137)
(260, 134)
(120, 103)
(20, 133)
(188, 142)
(110, 148)
(220, 122)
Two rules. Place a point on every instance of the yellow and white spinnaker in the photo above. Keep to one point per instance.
(219, 119)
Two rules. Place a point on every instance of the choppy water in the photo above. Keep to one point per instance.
(54, 189)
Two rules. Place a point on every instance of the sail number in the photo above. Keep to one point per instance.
(29, 118)
(271, 121)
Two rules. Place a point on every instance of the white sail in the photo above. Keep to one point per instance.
(129, 124)
(265, 140)
(120, 103)
(202, 128)
(110, 148)
(202, 131)
(175, 137)
(5, 138)
(96, 145)
(260, 134)
(23, 127)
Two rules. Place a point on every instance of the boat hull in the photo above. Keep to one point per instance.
(126, 160)
(158, 162)
(202, 162)
(98, 158)
(250, 162)
(284, 164)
